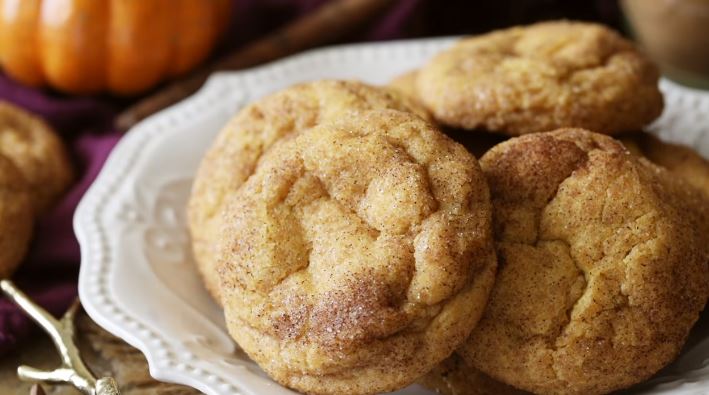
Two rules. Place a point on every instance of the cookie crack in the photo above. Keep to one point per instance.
(587, 275)
(426, 166)
(579, 164)
(570, 310)
(602, 65)
(623, 304)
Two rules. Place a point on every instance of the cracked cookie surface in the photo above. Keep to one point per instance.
(37, 152)
(238, 148)
(542, 77)
(16, 217)
(602, 267)
(358, 255)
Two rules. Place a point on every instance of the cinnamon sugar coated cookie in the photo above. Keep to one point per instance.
(406, 83)
(541, 77)
(239, 146)
(455, 377)
(37, 153)
(603, 267)
(679, 160)
(358, 254)
(16, 217)
(690, 171)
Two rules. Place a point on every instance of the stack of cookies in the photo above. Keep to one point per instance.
(34, 171)
(356, 247)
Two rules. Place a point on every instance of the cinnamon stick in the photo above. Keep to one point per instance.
(327, 24)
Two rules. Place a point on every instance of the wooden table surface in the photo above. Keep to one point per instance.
(104, 353)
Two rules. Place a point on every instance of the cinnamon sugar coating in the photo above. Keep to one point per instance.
(37, 152)
(358, 254)
(16, 217)
(406, 83)
(240, 145)
(541, 77)
(678, 159)
(603, 266)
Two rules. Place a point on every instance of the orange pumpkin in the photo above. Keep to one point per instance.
(122, 46)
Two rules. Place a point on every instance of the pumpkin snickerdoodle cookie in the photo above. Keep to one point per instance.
(406, 83)
(358, 254)
(679, 160)
(238, 148)
(16, 217)
(541, 77)
(603, 270)
(37, 153)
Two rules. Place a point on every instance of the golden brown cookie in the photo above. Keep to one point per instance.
(603, 270)
(16, 217)
(239, 146)
(476, 143)
(406, 83)
(455, 377)
(678, 159)
(688, 166)
(541, 77)
(37, 152)
(358, 255)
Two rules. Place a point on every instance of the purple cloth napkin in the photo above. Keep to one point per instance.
(50, 272)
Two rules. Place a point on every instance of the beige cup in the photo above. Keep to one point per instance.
(675, 33)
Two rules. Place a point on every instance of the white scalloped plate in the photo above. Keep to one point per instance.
(137, 278)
